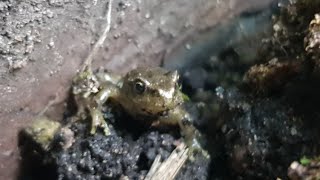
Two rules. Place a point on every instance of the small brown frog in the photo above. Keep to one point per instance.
(150, 94)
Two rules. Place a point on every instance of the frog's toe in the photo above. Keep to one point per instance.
(93, 130)
(98, 121)
(104, 126)
(196, 148)
(106, 129)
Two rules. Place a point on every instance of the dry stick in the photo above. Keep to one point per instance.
(155, 166)
(50, 103)
(170, 167)
(88, 61)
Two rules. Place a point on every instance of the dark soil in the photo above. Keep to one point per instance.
(128, 152)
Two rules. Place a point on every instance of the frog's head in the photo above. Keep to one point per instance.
(150, 91)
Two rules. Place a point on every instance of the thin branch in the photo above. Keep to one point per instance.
(88, 61)
(50, 103)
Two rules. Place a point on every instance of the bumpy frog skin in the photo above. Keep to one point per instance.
(150, 94)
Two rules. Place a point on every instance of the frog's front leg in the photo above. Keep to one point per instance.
(97, 120)
(191, 134)
(108, 90)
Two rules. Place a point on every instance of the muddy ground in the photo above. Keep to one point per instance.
(43, 43)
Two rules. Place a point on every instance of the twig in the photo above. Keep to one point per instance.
(170, 167)
(50, 103)
(155, 166)
(88, 61)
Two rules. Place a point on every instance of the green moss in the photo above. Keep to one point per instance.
(305, 161)
(42, 131)
(184, 96)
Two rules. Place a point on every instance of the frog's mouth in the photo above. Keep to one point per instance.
(150, 113)
(152, 120)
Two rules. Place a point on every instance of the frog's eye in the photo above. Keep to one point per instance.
(139, 86)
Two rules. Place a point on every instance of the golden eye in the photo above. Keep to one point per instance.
(139, 86)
